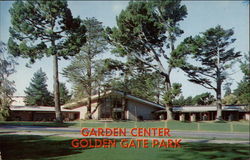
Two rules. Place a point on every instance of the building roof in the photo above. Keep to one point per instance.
(84, 101)
(209, 108)
(38, 108)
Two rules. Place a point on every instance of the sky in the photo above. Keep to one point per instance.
(202, 15)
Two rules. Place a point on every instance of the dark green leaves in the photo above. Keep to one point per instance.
(173, 92)
(42, 28)
(37, 93)
(205, 49)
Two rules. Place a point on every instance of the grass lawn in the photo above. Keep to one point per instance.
(16, 147)
(237, 126)
(242, 126)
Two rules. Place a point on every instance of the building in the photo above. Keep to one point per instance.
(199, 113)
(117, 105)
(40, 113)
(20, 112)
(121, 106)
(207, 113)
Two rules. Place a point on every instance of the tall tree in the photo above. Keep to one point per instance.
(84, 69)
(212, 59)
(64, 94)
(7, 89)
(37, 93)
(147, 30)
(42, 28)
(243, 90)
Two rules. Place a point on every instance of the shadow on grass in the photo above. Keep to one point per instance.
(35, 147)
(205, 150)
(221, 121)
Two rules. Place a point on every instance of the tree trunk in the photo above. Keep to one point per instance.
(168, 106)
(89, 115)
(169, 112)
(56, 90)
(89, 90)
(218, 101)
(218, 89)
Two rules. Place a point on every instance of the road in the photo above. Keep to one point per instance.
(186, 134)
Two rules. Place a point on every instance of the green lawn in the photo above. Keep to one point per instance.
(237, 126)
(173, 125)
(17, 147)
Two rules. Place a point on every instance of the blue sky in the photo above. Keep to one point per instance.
(201, 16)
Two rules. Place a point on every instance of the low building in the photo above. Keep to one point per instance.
(121, 106)
(116, 105)
(20, 112)
(207, 113)
(40, 113)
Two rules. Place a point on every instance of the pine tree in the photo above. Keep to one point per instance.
(85, 69)
(45, 28)
(37, 93)
(147, 31)
(213, 58)
(7, 87)
(64, 94)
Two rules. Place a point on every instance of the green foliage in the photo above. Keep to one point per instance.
(85, 70)
(142, 29)
(37, 93)
(245, 66)
(145, 86)
(203, 99)
(230, 99)
(182, 101)
(45, 28)
(42, 28)
(134, 78)
(243, 90)
(7, 89)
(172, 93)
(64, 94)
(147, 31)
(5, 111)
(204, 50)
